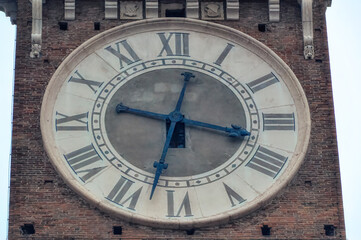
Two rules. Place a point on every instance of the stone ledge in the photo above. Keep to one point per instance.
(10, 8)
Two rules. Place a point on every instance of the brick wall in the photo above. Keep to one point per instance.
(40, 197)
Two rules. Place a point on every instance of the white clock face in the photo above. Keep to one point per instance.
(107, 155)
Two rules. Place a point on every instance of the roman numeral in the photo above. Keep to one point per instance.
(82, 158)
(278, 121)
(120, 190)
(224, 54)
(116, 52)
(262, 82)
(267, 162)
(93, 85)
(77, 122)
(184, 205)
(178, 47)
(234, 197)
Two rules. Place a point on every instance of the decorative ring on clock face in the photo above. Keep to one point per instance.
(161, 123)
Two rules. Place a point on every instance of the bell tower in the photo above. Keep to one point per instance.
(46, 203)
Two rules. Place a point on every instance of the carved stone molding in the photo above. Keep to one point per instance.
(10, 8)
(307, 25)
(274, 10)
(36, 33)
(232, 9)
(69, 9)
(212, 11)
(151, 8)
(131, 10)
(111, 9)
(192, 9)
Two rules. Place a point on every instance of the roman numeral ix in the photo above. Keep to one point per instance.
(78, 122)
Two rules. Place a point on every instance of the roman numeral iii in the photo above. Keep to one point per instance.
(278, 121)
(78, 122)
(267, 162)
(81, 159)
(262, 82)
(174, 44)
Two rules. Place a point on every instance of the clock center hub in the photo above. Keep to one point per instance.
(176, 116)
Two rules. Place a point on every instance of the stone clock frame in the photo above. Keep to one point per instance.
(163, 25)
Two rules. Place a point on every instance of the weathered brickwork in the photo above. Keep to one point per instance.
(40, 197)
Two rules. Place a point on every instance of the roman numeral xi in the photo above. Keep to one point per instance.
(129, 58)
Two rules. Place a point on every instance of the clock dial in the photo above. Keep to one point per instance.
(187, 132)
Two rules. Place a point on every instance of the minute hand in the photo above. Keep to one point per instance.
(234, 131)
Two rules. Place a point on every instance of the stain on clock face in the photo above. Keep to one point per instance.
(140, 139)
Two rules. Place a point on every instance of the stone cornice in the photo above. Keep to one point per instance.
(10, 8)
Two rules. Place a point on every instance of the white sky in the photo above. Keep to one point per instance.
(343, 18)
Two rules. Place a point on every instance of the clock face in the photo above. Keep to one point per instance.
(161, 122)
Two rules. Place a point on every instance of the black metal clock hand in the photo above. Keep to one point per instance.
(187, 77)
(235, 131)
(122, 108)
(161, 164)
(174, 117)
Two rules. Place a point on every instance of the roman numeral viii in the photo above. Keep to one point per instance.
(122, 189)
(175, 44)
(262, 82)
(278, 121)
(78, 122)
(267, 162)
(81, 159)
(121, 57)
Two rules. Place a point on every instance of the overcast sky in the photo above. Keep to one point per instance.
(344, 35)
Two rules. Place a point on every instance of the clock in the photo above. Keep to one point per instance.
(175, 123)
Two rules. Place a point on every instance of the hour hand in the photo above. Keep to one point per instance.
(233, 131)
(122, 108)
